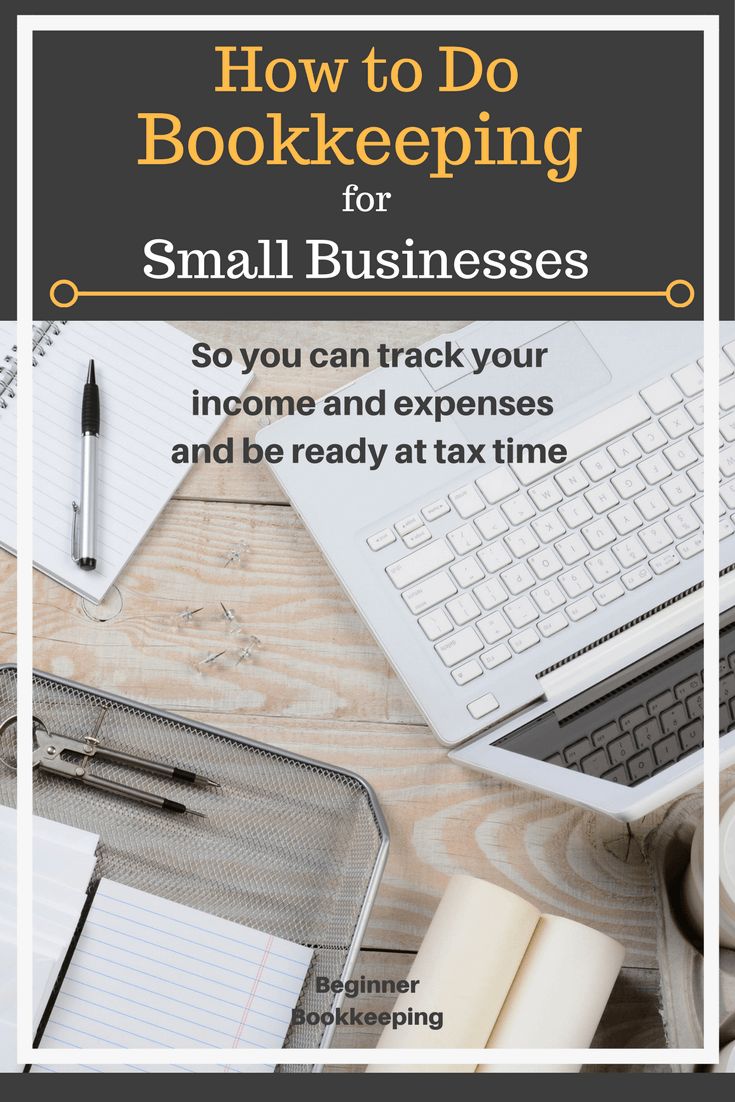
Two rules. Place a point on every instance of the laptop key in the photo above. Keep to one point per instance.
(642, 765)
(571, 480)
(602, 567)
(482, 706)
(691, 547)
(690, 380)
(426, 594)
(552, 624)
(695, 705)
(518, 510)
(647, 733)
(495, 556)
(420, 563)
(381, 539)
(618, 775)
(596, 765)
(463, 644)
(468, 672)
(667, 750)
(673, 718)
(417, 537)
(490, 594)
(435, 510)
(660, 702)
(548, 597)
(578, 750)
(462, 609)
(727, 686)
(684, 689)
(464, 539)
(467, 501)
(580, 609)
(521, 612)
(665, 562)
(497, 485)
(523, 640)
(606, 594)
(494, 627)
(408, 524)
(604, 735)
(633, 718)
(517, 579)
(496, 657)
(692, 735)
(435, 624)
(661, 396)
(622, 749)
(467, 572)
(491, 524)
(545, 495)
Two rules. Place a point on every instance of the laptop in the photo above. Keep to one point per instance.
(515, 509)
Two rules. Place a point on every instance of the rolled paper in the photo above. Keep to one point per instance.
(463, 972)
(559, 994)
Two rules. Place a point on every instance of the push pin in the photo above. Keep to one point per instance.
(189, 613)
(250, 647)
(236, 553)
(211, 658)
(231, 619)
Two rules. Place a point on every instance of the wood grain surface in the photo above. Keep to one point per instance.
(319, 685)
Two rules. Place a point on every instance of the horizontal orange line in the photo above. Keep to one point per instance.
(372, 294)
(68, 301)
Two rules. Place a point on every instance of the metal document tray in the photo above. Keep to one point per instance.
(290, 845)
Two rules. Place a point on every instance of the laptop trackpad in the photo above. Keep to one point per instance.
(562, 364)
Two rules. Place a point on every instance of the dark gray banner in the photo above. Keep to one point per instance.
(368, 174)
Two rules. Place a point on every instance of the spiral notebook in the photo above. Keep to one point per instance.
(146, 377)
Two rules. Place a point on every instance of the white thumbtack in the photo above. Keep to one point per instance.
(246, 653)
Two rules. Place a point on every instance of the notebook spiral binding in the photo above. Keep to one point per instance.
(43, 336)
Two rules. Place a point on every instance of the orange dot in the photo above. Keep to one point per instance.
(679, 303)
(53, 294)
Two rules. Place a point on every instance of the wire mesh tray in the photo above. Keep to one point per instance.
(290, 845)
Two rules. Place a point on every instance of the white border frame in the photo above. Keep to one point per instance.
(709, 26)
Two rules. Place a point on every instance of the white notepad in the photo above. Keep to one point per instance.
(63, 862)
(146, 377)
(149, 973)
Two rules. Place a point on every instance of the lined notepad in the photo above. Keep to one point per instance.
(146, 377)
(64, 859)
(150, 973)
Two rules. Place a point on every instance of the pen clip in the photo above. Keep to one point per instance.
(74, 533)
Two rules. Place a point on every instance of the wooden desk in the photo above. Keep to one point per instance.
(320, 686)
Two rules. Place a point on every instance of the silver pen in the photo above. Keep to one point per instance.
(84, 531)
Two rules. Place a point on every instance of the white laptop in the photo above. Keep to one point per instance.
(515, 598)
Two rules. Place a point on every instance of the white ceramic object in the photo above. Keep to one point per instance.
(727, 1058)
(693, 879)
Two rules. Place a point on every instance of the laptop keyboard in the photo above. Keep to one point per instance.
(633, 746)
(512, 559)
(638, 730)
